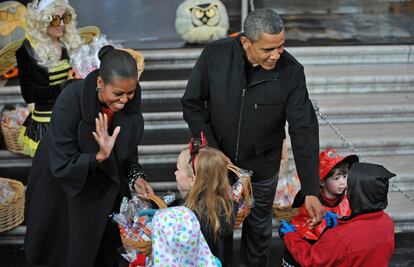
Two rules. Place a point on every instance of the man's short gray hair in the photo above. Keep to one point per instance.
(262, 21)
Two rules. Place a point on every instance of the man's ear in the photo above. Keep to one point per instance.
(246, 43)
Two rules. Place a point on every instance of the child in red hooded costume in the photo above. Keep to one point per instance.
(365, 238)
(333, 172)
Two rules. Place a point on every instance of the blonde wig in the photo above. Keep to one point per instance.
(37, 23)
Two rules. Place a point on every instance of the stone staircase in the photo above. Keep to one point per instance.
(367, 92)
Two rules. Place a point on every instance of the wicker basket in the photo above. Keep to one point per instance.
(247, 189)
(12, 211)
(284, 213)
(144, 247)
(11, 137)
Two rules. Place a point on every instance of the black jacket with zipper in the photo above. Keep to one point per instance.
(246, 120)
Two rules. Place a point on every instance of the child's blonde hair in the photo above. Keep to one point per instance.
(210, 191)
(185, 159)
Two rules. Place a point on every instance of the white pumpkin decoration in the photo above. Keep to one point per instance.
(201, 21)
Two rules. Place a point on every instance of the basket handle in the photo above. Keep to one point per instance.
(157, 200)
(234, 169)
(246, 183)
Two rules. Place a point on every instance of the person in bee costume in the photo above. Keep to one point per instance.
(44, 63)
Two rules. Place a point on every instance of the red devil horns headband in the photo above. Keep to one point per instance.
(195, 145)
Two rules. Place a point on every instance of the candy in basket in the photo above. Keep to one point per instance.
(242, 193)
(135, 224)
(12, 119)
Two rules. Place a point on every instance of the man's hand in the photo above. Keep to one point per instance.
(314, 208)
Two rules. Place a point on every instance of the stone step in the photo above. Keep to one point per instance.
(361, 78)
(386, 135)
(387, 128)
(354, 105)
(379, 105)
(374, 139)
(170, 59)
(164, 95)
(347, 100)
(366, 107)
(401, 209)
(341, 109)
(400, 164)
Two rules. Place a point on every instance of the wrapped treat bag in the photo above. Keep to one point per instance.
(6, 192)
(14, 116)
(287, 188)
(85, 59)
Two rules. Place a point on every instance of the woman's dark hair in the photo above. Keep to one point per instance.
(116, 64)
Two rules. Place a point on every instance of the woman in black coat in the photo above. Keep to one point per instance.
(82, 167)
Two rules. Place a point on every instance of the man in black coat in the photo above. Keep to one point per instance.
(240, 94)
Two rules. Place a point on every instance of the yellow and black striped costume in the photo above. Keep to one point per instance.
(40, 86)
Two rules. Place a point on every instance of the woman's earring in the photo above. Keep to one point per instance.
(98, 89)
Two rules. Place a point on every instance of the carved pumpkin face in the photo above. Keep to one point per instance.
(201, 21)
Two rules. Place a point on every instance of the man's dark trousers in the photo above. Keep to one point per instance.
(257, 227)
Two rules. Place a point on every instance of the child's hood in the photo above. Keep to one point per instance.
(368, 187)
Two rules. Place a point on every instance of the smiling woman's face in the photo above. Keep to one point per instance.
(117, 93)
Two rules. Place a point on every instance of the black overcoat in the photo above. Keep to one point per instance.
(245, 117)
(69, 193)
